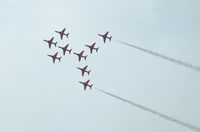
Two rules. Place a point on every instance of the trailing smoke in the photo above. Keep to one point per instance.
(166, 117)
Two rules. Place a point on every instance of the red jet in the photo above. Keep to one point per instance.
(105, 36)
(64, 49)
(80, 55)
(84, 70)
(50, 42)
(54, 57)
(92, 47)
(62, 33)
(86, 84)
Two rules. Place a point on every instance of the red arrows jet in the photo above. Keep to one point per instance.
(92, 47)
(86, 84)
(64, 49)
(50, 42)
(54, 57)
(62, 33)
(80, 55)
(84, 70)
(105, 36)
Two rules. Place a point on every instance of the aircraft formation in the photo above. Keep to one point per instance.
(86, 71)
(81, 55)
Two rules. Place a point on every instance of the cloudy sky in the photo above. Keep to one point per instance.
(38, 96)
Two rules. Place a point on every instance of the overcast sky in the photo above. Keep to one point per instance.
(38, 96)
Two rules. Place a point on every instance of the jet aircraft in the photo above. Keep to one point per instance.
(62, 33)
(54, 57)
(50, 42)
(86, 84)
(92, 47)
(84, 70)
(64, 49)
(105, 36)
(80, 55)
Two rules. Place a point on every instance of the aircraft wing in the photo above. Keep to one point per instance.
(56, 54)
(85, 87)
(61, 36)
(82, 73)
(79, 58)
(54, 59)
(104, 39)
(91, 50)
(106, 34)
(49, 46)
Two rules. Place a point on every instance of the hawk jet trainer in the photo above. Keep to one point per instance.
(62, 33)
(86, 84)
(84, 70)
(50, 42)
(92, 47)
(65, 49)
(80, 55)
(54, 57)
(105, 36)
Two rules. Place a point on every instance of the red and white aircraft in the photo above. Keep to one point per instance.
(86, 84)
(80, 55)
(84, 70)
(50, 42)
(92, 47)
(105, 36)
(64, 49)
(54, 57)
(62, 33)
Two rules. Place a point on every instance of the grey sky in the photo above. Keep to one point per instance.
(36, 95)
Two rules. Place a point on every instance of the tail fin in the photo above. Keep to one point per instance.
(55, 44)
(59, 58)
(90, 86)
(97, 49)
(89, 72)
(70, 51)
(67, 35)
(85, 57)
(110, 38)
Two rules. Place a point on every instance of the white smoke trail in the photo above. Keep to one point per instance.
(197, 68)
(191, 127)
